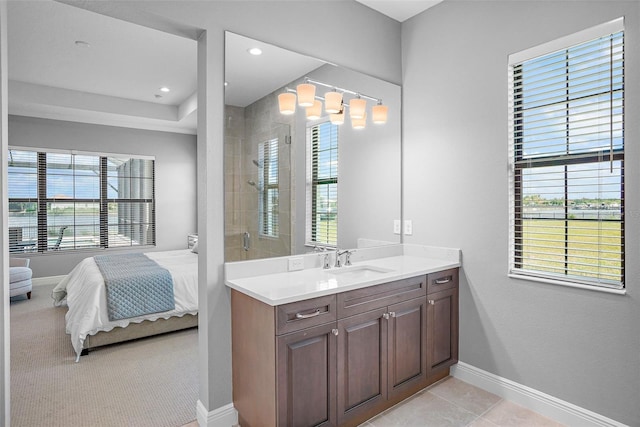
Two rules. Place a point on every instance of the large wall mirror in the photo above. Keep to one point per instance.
(294, 184)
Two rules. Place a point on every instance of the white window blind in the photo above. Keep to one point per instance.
(268, 187)
(567, 163)
(322, 184)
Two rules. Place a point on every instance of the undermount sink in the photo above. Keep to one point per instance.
(359, 271)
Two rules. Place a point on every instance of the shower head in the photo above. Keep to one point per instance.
(251, 183)
(255, 162)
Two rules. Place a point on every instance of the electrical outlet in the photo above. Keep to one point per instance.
(296, 263)
(396, 226)
(408, 227)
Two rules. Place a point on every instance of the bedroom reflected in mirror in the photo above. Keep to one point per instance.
(299, 178)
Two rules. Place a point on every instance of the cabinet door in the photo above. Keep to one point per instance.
(442, 330)
(306, 377)
(407, 345)
(362, 365)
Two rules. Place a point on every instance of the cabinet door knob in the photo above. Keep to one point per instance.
(334, 332)
(432, 302)
(392, 313)
(385, 316)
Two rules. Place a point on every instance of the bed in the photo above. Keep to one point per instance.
(87, 321)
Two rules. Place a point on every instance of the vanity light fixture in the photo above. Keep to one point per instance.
(306, 94)
(359, 123)
(315, 111)
(357, 107)
(337, 119)
(334, 104)
(379, 113)
(287, 103)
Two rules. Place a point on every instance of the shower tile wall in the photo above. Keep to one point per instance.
(233, 142)
(245, 129)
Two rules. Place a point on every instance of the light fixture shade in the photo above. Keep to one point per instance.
(357, 108)
(332, 102)
(306, 94)
(359, 123)
(315, 111)
(379, 114)
(336, 119)
(287, 103)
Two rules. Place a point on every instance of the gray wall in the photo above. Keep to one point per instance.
(580, 346)
(175, 164)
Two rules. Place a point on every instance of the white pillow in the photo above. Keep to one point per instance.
(194, 249)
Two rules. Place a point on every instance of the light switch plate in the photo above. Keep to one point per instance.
(396, 226)
(408, 227)
(296, 264)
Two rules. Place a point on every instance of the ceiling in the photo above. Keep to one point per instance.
(277, 68)
(115, 81)
(400, 10)
(115, 78)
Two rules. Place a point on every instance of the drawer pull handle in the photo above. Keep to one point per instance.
(334, 332)
(307, 316)
(443, 281)
(432, 302)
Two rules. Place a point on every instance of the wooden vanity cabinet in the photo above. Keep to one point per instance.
(284, 361)
(381, 359)
(442, 321)
(341, 359)
(305, 384)
(381, 352)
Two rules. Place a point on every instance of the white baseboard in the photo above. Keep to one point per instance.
(225, 416)
(542, 403)
(39, 281)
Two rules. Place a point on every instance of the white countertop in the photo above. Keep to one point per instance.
(291, 286)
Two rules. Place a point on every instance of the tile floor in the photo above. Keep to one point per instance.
(452, 402)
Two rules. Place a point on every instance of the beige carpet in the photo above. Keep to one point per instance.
(149, 382)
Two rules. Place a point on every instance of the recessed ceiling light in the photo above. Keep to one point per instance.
(81, 43)
(255, 51)
(165, 89)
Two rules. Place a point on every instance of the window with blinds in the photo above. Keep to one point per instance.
(567, 161)
(322, 184)
(268, 187)
(65, 201)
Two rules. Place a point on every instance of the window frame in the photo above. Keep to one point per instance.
(42, 245)
(269, 219)
(311, 232)
(519, 163)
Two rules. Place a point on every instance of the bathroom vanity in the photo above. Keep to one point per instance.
(338, 346)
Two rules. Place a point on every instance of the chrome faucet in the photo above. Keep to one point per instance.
(347, 253)
(347, 257)
(325, 261)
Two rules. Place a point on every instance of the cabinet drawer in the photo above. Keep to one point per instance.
(442, 280)
(362, 300)
(304, 314)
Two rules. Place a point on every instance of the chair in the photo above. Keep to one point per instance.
(56, 245)
(19, 277)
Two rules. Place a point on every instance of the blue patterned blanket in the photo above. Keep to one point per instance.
(136, 285)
